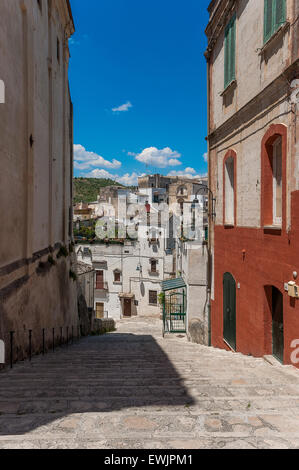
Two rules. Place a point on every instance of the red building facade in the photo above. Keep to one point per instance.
(253, 81)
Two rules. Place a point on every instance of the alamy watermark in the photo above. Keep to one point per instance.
(157, 220)
(2, 352)
(2, 92)
(295, 353)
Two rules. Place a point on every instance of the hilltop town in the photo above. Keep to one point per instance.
(155, 310)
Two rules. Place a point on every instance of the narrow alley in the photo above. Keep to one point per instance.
(133, 389)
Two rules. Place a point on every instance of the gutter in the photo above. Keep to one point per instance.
(209, 268)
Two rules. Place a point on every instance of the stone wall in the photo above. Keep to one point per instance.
(103, 326)
(43, 300)
(37, 290)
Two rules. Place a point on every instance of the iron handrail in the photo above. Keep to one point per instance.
(48, 339)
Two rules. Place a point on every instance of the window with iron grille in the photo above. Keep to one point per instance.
(153, 297)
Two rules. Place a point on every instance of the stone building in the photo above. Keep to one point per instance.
(110, 198)
(128, 275)
(83, 212)
(155, 181)
(184, 191)
(86, 279)
(37, 290)
(192, 266)
(253, 72)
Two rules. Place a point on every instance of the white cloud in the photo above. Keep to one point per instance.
(190, 170)
(159, 158)
(205, 157)
(127, 179)
(84, 160)
(73, 42)
(97, 173)
(187, 173)
(123, 108)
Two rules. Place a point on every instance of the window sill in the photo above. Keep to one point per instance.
(118, 283)
(154, 273)
(153, 305)
(229, 225)
(280, 31)
(229, 87)
(277, 228)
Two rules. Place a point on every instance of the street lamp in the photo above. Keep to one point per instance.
(211, 214)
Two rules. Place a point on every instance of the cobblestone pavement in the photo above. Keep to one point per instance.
(133, 389)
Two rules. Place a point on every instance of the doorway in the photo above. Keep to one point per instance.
(99, 280)
(229, 310)
(99, 310)
(127, 308)
(277, 325)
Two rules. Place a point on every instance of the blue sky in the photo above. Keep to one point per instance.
(138, 83)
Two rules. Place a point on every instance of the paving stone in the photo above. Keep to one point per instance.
(132, 389)
(138, 423)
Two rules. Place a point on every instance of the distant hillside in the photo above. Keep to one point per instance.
(87, 189)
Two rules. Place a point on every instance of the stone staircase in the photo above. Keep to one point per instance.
(134, 389)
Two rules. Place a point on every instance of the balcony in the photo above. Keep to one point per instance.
(101, 315)
(153, 273)
(101, 288)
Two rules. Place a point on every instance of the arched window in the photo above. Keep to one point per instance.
(277, 181)
(229, 188)
(182, 191)
(274, 177)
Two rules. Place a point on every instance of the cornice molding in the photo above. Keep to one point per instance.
(217, 23)
(279, 89)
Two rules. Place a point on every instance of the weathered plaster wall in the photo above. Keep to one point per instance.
(260, 100)
(254, 72)
(126, 258)
(36, 175)
(46, 299)
(193, 262)
(247, 145)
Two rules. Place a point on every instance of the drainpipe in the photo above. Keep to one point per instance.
(209, 268)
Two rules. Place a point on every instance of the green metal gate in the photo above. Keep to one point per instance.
(174, 307)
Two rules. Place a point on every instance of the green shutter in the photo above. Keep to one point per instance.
(275, 16)
(226, 58)
(233, 50)
(280, 13)
(268, 19)
(230, 52)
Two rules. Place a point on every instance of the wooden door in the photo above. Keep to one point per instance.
(277, 324)
(99, 310)
(127, 308)
(100, 280)
(229, 310)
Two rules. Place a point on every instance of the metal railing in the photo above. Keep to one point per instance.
(26, 343)
(102, 316)
(101, 286)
